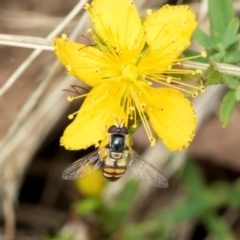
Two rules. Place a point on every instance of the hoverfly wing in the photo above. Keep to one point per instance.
(83, 166)
(146, 171)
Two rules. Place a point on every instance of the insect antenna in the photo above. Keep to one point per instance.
(119, 122)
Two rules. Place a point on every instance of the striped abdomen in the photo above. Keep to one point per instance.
(115, 165)
(113, 173)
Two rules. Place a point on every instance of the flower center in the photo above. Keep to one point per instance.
(129, 73)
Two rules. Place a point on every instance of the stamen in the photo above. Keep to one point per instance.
(71, 116)
(165, 81)
(142, 116)
(203, 54)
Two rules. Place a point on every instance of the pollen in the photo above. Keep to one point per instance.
(204, 54)
(149, 11)
(70, 98)
(64, 36)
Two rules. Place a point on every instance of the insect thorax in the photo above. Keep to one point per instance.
(117, 143)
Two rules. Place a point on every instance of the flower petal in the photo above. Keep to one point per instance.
(117, 22)
(84, 62)
(173, 119)
(99, 111)
(168, 33)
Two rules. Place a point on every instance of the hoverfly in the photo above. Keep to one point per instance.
(114, 159)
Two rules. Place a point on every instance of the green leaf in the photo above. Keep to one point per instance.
(230, 81)
(203, 39)
(192, 178)
(230, 36)
(227, 107)
(123, 204)
(232, 56)
(220, 15)
(219, 56)
(213, 76)
(233, 194)
(217, 227)
(133, 233)
(237, 93)
(87, 206)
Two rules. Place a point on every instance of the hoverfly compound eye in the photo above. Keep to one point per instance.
(124, 130)
(113, 129)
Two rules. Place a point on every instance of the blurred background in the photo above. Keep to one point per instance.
(203, 199)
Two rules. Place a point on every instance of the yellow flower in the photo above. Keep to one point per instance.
(127, 68)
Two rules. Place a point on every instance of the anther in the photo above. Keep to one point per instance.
(149, 12)
(202, 89)
(204, 54)
(64, 36)
(198, 71)
(70, 98)
(169, 79)
(152, 141)
(194, 94)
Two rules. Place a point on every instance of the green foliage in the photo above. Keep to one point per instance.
(222, 46)
(111, 217)
(227, 107)
(87, 206)
(217, 227)
(212, 74)
(201, 203)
